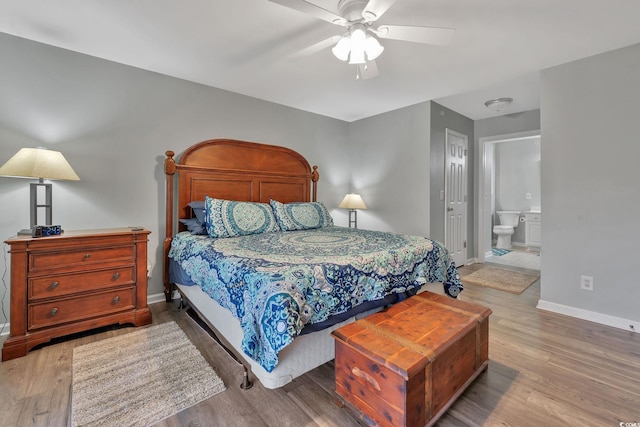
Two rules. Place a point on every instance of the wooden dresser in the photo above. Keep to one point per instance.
(406, 365)
(74, 282)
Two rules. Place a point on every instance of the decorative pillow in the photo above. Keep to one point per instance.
(301, 216)
(225, 218)
(198, 210)
(196, 225)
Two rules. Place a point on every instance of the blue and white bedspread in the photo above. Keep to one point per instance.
(275, 283)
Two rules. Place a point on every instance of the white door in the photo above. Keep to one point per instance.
(455, 190)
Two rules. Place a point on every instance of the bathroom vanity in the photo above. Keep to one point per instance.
(532, 232)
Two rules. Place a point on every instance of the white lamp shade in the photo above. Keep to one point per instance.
(356, 57)
(38, 163)
(342, 48)
(373, 48)
(352, 201)
(358, 46)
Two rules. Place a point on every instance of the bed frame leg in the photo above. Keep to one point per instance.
(246, 384)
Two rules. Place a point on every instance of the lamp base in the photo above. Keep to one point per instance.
(353, 218)
(25, 232)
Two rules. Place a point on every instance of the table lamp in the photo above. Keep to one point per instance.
(42, 164)
(352, 202)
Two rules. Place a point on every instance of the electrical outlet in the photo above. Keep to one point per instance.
(586, 283)
(527, 196)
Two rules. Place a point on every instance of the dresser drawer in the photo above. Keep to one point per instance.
(52, 313)
(83, 259)
(66, 284)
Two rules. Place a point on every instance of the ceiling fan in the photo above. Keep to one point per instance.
(359, 44)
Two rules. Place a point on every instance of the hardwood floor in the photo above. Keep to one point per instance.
(545, 369)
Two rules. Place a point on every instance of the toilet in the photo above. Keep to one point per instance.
(509, 220)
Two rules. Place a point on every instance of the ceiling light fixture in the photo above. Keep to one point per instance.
(498, 104)
(356, 44)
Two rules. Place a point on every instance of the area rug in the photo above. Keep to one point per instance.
(501, 279)
(499, 252)
(139, 378)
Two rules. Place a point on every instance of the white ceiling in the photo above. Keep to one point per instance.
(242, 46)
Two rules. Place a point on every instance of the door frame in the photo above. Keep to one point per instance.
(485, 188)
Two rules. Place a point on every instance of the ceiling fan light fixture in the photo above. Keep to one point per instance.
(498, 104)
(358, 36)
(342, 48)
(358, 43)
(357, 56)
(373, 47)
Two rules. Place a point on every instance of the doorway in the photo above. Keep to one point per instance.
(486, 192)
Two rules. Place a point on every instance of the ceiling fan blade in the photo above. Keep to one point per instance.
(376, 8)
(427, 35)
(313, 10)
(368, 70)
(313, 49)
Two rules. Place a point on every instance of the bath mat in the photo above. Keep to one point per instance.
(139, 378)
(501, 279)
(500, 252)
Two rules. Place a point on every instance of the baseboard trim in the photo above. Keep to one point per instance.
(156, 298)
(592, 316)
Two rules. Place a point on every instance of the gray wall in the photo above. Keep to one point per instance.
(113, 123)
(390, 169)
(442, 119)
(517, 172)
(590, 177)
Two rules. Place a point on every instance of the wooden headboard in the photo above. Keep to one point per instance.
(232, 170)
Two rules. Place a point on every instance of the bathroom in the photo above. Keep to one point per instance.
(516, 188)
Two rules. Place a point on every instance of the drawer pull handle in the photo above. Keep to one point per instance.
(116, 299)
(368, 378)
(116, 276)
(53, 311)
(54, 285)
(87, 256)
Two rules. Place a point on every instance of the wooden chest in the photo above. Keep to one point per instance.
(406, 365)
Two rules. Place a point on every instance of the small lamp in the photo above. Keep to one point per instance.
(352, 202)
(42, 164)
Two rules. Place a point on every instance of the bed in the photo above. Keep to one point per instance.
(273, 294)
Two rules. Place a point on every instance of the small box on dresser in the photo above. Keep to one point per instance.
(406, 365)
(74, 282)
